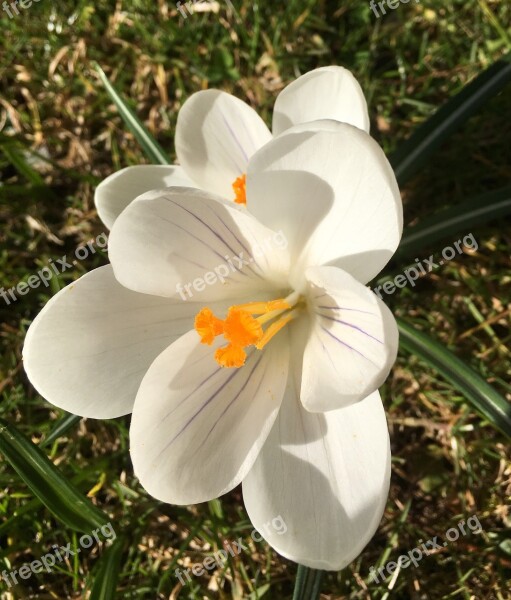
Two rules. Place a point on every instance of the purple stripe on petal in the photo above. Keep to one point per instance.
(249, 136)
(326, 352)
(197, 218)
(348, 346)
(190, 394)
(243, 246)
(187, 231)
(320, 296)
(202, 358)
(192, 262)
(350, 325)
(235, 138)
(234, 400)
(190, 421)
(367, 312)
(210, 229)
(206, 403)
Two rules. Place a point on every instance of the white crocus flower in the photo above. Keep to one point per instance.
(217, 134)
(269, 378)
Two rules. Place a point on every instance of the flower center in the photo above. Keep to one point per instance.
(241, 329)
(240, 189)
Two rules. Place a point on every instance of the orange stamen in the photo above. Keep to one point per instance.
(240, 189)
(230, 356)
(241, 329)
(262, 308)
(273, 329)
(208, 326)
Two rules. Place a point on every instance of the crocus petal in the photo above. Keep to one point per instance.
(117, 191)
(330, 189)
(325, 93)
(325, 476)
(167, 240)
(89, 348)
(197, 428)
(216, 134)
(352, 343)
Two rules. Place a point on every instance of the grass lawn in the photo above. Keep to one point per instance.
(60, 135)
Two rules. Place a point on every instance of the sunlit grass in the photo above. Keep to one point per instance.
(447, 462)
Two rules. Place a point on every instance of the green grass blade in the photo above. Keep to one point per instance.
(61, 427)
(458, 219)
(47, 482)
(307, 583)
(20, 163)
(415, 151)
(482, 396)
(150, 146)
(107, 575)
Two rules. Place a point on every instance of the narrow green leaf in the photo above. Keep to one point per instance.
(150, 146)
(20, 163)
(61, 427)
(307, 584)
(480, 394)
(30, 506)
(107, 575)
(415, 151)
(260, 592)
(455, 220)
(47, 483)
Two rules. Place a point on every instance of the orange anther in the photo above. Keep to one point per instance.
(241, 329)
(208, 326)
(240, 189)
(230, 356)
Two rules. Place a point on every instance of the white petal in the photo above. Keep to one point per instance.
(325, 476)
(185, 243)
(216, 134)
(117, 191)
(197, 428)
(352, 344)
(325, 93)
(330, 189)
(89, 348)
